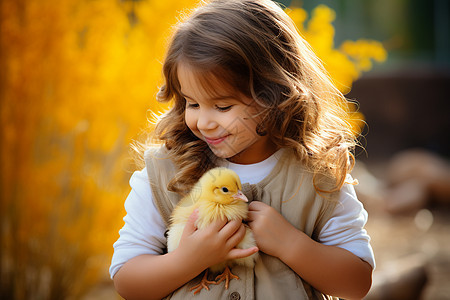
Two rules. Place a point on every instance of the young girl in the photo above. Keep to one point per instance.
(250, 95)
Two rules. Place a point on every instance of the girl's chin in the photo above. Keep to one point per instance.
(231, 157)
(221, 154)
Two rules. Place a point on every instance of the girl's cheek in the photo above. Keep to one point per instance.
(192, 125)
(190, 122)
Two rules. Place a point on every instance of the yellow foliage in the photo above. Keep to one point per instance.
(344, 64)
(78, 77)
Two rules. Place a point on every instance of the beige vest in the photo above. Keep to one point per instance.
(288, 189)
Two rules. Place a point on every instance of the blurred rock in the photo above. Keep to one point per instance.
(407, 196)
(402, 279)
(369, 187)
(412, 180)
(415, 179)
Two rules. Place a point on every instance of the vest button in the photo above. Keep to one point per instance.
(235, 296)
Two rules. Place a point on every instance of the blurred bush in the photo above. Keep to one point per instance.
(78, 77)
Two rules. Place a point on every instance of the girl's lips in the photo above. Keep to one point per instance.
(212, 141)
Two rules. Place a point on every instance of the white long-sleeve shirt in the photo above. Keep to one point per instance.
(143, 232)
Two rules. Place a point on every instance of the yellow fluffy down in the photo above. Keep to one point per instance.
(217, 195)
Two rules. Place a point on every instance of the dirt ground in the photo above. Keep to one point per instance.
(400, 241)
(411, 247)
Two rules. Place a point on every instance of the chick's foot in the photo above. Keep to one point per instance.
(227, 276)
(203, 284)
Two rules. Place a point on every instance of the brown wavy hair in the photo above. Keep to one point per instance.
(255, 47)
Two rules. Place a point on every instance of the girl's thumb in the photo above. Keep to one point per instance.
(190, 224)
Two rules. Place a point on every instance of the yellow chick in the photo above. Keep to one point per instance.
(217, 195)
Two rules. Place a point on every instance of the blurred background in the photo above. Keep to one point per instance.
(78, 82)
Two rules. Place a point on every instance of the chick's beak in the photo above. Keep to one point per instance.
(240, 196)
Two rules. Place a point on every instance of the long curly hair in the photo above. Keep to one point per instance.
(255, 47)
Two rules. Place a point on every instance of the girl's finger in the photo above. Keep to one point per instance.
(236, 237)
(241, 253)
(256, 205)
(190, 224)
(250, 216)
(229, 229)
(217, 225)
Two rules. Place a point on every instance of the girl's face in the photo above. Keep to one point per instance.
(224, 119)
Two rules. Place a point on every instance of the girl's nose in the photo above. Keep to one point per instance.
(206, 121)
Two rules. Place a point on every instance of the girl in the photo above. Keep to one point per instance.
(250, 95)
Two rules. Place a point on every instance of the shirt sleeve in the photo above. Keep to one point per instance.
(143, 231)
(345, 229)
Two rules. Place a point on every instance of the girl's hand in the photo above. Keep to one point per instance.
(270, 229)
(214, 243)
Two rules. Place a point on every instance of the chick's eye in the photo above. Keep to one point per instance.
(225, 190)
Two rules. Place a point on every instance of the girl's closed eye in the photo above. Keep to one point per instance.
(224, 108)
(192, 105)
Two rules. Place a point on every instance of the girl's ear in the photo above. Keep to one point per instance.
(261, 129)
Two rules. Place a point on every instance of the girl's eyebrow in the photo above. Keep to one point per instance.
(213, 98)
(186, 96)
